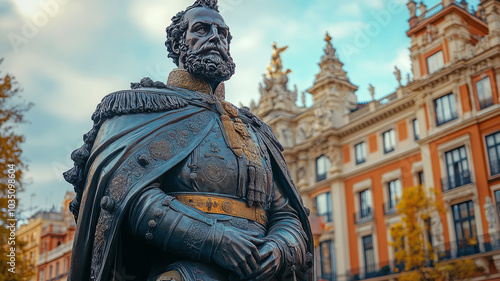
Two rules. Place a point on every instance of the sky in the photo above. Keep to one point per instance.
(68, 54)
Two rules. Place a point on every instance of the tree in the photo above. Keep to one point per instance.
(411, 242)
(12, 111)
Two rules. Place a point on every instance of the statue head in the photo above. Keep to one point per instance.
(198, 40)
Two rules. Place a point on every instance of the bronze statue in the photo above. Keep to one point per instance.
(275, 69)
(175, 183)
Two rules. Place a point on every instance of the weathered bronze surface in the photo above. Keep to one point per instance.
(175, 183)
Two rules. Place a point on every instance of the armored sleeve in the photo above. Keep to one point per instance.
(166, 223)
(285, 229)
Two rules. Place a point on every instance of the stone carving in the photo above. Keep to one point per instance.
(436, 229)
(397, 73)
(371, 89)
(275, 95)
(491, 215)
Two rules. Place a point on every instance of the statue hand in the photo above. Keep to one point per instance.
(269, 264)
(238, 251)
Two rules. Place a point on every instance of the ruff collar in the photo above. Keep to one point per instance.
(182, 79)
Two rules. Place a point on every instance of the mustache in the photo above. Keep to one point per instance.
(212, 47)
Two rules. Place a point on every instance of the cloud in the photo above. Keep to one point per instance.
(352, 8)
(345, 29)
(156, 15)
(377, 4)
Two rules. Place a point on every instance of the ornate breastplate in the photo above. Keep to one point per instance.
(214, 168)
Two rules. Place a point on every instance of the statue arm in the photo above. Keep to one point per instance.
(286, 240)
(173, 227)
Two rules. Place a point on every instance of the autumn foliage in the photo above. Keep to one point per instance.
(412, 247)
(11, 115)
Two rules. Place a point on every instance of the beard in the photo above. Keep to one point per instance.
(208, 66)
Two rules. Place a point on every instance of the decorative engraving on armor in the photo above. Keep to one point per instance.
(101, 231)
(240, 223)
(194, 239)
(209, 204)
(214, 147)
(224, 206)
(118, 187)
(227, 207)
(232, 136)
(160, 150)
(143, 160)
(182, 79)
(214, 169)
(107, 204)
(231, 110)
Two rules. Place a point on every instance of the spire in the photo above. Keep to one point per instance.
(330, 65)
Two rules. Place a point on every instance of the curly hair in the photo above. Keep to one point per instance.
(176, 31)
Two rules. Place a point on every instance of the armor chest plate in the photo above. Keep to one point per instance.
(212, 167)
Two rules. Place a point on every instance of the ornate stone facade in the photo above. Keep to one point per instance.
(356, 153)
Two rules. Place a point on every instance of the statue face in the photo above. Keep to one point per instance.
(207, 33)
(205, 50)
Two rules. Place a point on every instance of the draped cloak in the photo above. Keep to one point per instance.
(138, 135)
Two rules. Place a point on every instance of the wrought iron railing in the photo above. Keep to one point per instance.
(363, 216)
(457, 249)
(459, 180)
(466, 247)
(432, 11)
(390, 208)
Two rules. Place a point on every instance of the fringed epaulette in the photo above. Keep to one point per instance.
(138, 100)
(264, 127)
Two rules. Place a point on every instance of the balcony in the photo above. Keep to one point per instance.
(450, 183)
(363, 216)
(372, 271)
(436, 9)
(481, 244)
(390, 209)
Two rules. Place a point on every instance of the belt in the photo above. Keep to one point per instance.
(214, 204)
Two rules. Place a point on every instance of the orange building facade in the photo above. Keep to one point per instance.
(351, 161)
(56, 244)
(49, 241)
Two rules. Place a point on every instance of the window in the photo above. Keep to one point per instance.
(360, 150)
(57, 269)
(465, 223)
(389, 141)
(369, 254)
(458, 168)
(493, 146)
(394, 193)
(435, 62)
(322, 167)
(365, 204)
(497, 201)
(446, 109)
(324, 206)
(41, 277)
(327, 254)
(416, 130)
(50, 273)
(421, 180)
(484, 93)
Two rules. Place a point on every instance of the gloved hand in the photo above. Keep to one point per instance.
(269, 263)
(238, 251)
